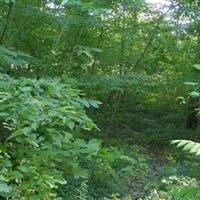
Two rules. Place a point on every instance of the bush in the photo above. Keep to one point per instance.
(41, 147)
(38, 118)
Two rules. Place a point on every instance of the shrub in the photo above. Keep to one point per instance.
(38, 119)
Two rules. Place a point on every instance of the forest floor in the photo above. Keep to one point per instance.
(157, 162)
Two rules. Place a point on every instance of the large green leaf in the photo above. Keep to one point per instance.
(197, 66)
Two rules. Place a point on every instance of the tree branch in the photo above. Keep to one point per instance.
(151, 38)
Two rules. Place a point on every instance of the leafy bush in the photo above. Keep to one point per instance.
(42, 149)
(179, 179)
(38, 118)
(113, 173)
(175, 187)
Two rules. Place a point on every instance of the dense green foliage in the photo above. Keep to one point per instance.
(41, 147)
(91, 95)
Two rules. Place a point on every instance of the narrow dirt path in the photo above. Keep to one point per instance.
(157, 161)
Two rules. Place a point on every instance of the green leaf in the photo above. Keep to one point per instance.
(175, 141)
(3, 178)
(191, 83)
(5, 188)
(197, 66)
(194, 94)
(85, 103)
(24, 131)
(71, 125)
(98, 50)
(35, 125)
(188, 145)
(15, 134)
(80, 172)
(94, 103)
(182, 143)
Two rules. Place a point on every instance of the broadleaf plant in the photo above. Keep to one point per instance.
(37, 119)
(187, 145)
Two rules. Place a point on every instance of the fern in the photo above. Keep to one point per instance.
(187, 145)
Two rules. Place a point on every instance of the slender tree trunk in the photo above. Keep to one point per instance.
(122, 41)
(197, 57)
(98, 46)
(113, 115)
(7, 21)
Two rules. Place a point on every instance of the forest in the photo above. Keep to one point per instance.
(99, 100)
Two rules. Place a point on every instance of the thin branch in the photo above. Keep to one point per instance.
(151, 38)
(146, 47)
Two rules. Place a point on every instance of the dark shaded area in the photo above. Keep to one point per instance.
(192, 118)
